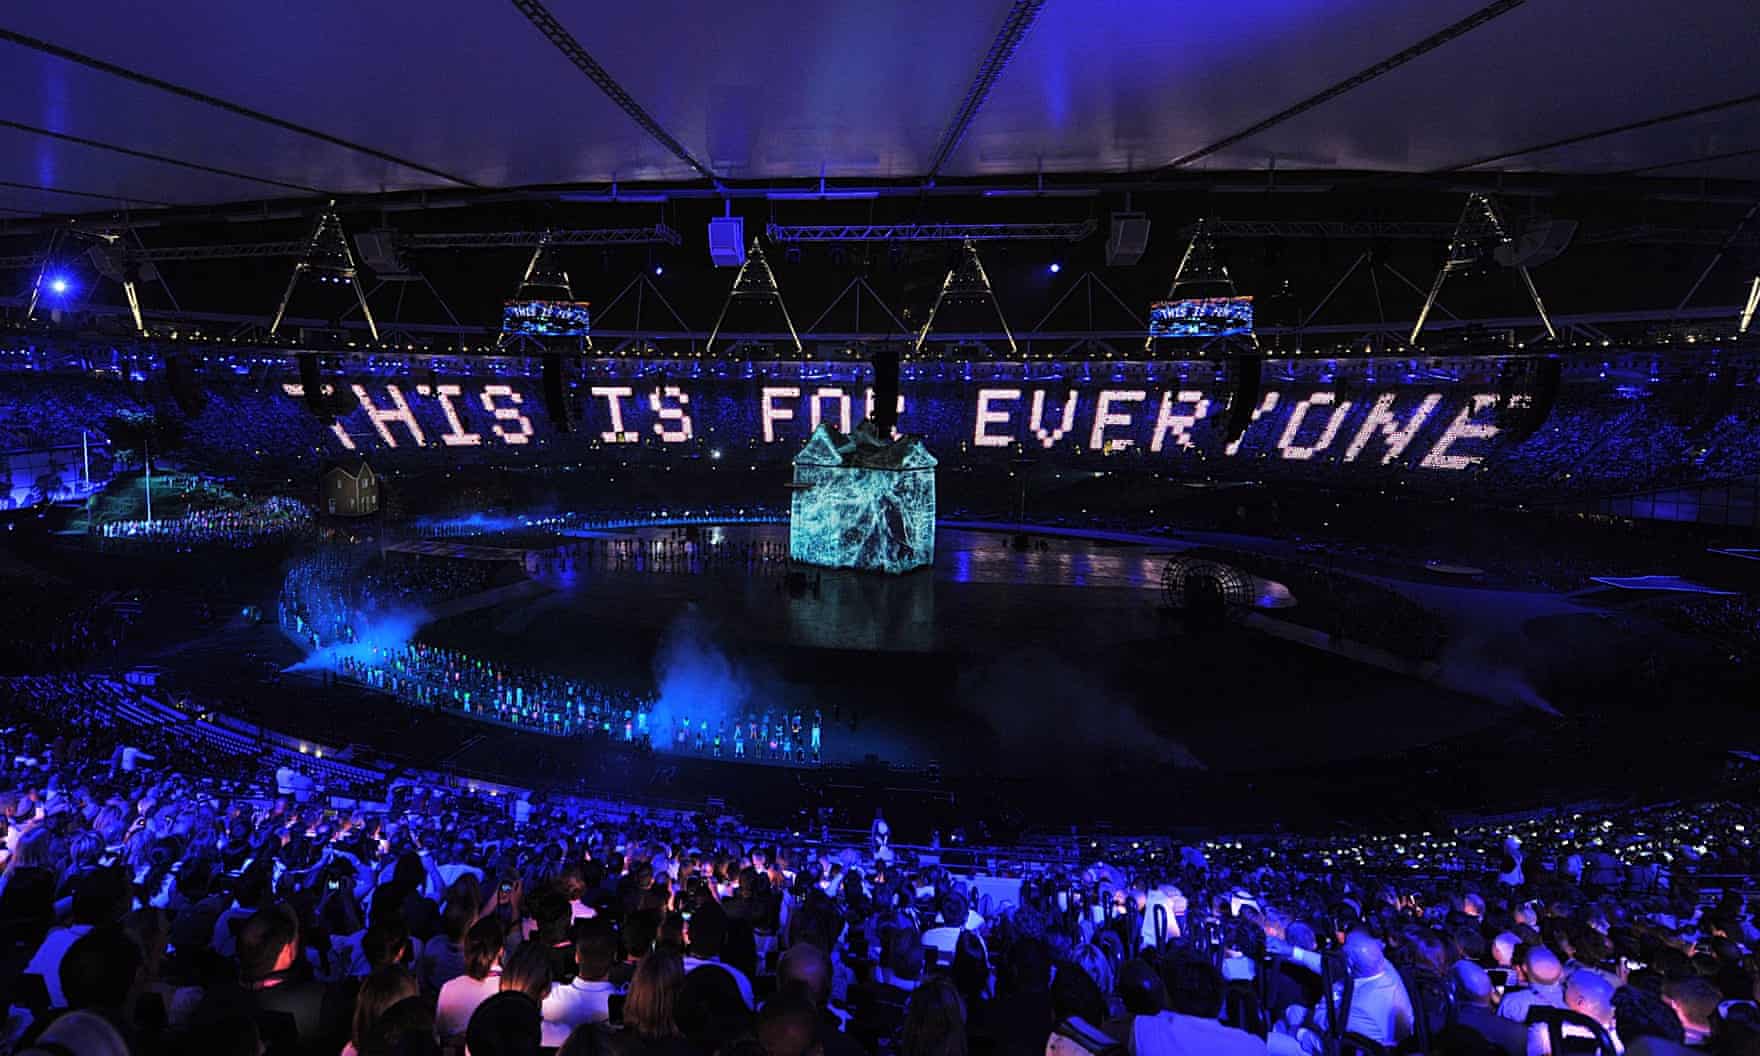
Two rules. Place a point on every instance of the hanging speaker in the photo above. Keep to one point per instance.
(1527, 389)
(1243, 397)
(555, 392)
(185, 389)
(311, 379)
(885, 389)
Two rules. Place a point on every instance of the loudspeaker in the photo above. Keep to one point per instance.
(1548, 376)
(555, 391)
(727, 241)
(311, 378)
(1535, 246)
(1527, 389)
(1243, 397)
(185, 389)
(1127, 240)
(885, 390)
(379, 252)
(108, 258)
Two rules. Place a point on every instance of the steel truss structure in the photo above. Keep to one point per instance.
(326, 253)
(658, 234)
(1392, 229)
(965, 281)
(1067, 232)
(1478, 231)
(755, 282)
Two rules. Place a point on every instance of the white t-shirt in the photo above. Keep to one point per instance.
(739, 978)
(46, 962)
(1171, 1034)
(459, 998)
(582, 1001)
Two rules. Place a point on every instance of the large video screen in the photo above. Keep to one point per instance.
(1201, 317)
(545, 318)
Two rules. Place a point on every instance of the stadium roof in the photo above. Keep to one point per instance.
(214, 101)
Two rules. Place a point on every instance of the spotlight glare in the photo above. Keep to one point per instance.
(1055, 267)
(58, 285)
(658, 270)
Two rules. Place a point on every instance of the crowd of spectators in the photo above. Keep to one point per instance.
(158, 900)
(1599, 437)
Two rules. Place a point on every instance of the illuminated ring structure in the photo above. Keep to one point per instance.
(1237, 589)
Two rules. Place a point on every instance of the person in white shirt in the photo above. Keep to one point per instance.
(588, 998)
(1380, 1008)
(1589, 993)
(101, 896)
(704, 934)
(955, 917)
(1190, 1024)
(1544, 975)
(1509, 871)
(46, 962)
(1170, 901)
(480, 981)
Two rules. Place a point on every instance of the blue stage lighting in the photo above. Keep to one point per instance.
(59, 285)
(658, 270)
(1055, 267)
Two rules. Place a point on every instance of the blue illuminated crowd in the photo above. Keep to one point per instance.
(273, 517)
(160, 898)
(338, 602)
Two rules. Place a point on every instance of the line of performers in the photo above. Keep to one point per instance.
(433, 677)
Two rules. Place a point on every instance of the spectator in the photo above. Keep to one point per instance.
(460, 996)
(1476, 1016)
(1190, 1024)
(508, 1024)
(1544, 985)
(935, 1022)
(1695, 1001)
(650, 1026)
(100, 900)
(587, 998)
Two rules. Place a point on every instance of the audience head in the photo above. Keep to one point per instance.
(1541, 966)
(1588, 991)
(1363, 954)
(380, 990)
(509, 1023)
(1640, 1014)
(788, 1024)
(1472, 985)
(267, 943)
(528, 970)
(1694, 1000)
(1193, 985)
(935, 1020)
(1140, 989)
(482, 947)
(653, 996)
(595, 951)
(808, 967)
(101, 969)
